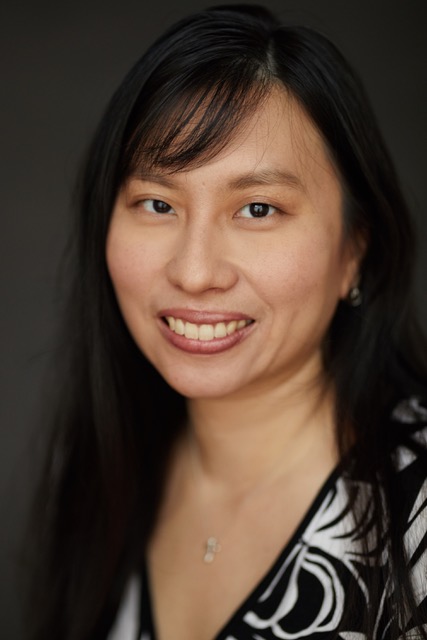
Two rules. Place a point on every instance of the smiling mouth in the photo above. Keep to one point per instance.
(205, 332)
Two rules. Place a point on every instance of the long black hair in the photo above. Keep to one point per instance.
(116, 419)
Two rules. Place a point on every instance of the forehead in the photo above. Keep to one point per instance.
(282, 135)
(277, 143)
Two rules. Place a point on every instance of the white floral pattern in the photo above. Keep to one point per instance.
(325, 539)
(306, 594)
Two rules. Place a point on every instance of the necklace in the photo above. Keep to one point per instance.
(212, 545)
(212, 548)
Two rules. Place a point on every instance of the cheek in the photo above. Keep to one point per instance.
(300, 272)
(131, 266)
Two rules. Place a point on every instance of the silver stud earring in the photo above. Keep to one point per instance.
(355, 297)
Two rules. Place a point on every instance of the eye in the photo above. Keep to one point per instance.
(157, 206)
(257, 210)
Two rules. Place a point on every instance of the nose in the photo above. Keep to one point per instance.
(201, 259)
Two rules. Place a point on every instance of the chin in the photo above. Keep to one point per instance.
(200, 386)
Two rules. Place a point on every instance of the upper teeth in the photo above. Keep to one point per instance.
(205, 331)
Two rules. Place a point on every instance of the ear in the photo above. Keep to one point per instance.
(354, 253)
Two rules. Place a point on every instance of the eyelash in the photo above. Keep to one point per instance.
(161, 203)
(262, 205)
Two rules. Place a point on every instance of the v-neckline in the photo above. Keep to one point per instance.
(253, 596)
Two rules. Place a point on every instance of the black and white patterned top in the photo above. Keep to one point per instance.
(321, 576)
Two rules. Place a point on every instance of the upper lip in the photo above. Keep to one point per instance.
(203, 317)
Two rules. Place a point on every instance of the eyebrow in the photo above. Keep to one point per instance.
(158, 178)
(262, 177)
(267, 177)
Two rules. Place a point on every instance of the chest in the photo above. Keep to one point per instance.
(192, 599)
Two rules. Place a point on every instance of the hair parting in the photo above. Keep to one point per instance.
(116, 420)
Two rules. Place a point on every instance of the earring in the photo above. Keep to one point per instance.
(355, 297)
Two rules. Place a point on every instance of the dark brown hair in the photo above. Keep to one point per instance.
(116, 419)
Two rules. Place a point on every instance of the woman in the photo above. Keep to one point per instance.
(239, 445)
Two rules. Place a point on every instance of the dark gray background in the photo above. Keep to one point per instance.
(59, 64)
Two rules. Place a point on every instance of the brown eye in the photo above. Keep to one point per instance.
(157, 206)
(257, 210)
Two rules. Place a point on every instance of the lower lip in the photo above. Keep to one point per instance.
(205, 347)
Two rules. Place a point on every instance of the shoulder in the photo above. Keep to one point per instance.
(410, 486)
(409, 457)
(409, 438)
(126, 624)
(411, 411)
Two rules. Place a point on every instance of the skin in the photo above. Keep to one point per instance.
(286, 271)
(261, 430)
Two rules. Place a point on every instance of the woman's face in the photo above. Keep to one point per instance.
(228, 274)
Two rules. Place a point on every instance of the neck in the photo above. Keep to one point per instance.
(239, 441)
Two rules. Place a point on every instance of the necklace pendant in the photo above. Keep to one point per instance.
(212, 548)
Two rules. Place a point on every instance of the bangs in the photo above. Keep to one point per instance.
(185, 123)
